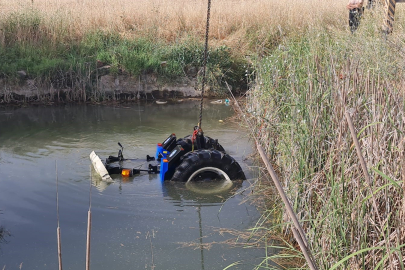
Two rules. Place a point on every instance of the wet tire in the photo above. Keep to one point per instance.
(209, 143)
(209, 162)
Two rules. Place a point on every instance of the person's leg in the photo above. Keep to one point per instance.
(354, 18)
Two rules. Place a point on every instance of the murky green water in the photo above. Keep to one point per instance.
(138, 223)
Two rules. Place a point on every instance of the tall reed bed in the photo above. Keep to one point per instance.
(302, 92)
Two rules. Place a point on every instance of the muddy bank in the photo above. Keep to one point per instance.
(106, 87)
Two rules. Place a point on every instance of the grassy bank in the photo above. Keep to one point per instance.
(79, 64)
(62, 44)
(302, 91)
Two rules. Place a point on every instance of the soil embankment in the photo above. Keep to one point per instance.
(107, 87)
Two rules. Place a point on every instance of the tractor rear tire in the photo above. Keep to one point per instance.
(209, 161)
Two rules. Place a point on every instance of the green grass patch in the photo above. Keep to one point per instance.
(29, 45)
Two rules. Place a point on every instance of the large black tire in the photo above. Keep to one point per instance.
(207, 158)
(209, 143)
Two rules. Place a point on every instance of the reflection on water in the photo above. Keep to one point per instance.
(213, 187)
(99, 183)
(3, 234)
(138, 222)
(203, 192)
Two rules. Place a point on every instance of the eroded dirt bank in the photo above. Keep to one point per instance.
(107, 87)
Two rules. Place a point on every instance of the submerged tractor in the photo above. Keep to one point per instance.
(192, 158)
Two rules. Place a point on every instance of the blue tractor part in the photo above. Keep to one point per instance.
(164, 167)
(167, 145)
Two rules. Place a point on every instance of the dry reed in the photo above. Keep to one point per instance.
(237, 24)
(298, 103)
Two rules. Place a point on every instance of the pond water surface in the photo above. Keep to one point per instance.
(137, 222)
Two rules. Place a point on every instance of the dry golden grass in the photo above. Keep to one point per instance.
(231, 20)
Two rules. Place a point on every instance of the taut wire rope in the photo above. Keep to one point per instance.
(205, 62)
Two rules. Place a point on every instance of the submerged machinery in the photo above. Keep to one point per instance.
(192, 158)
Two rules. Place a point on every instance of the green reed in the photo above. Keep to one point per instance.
(301, 92)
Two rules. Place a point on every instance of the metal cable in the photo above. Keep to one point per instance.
(205, 61)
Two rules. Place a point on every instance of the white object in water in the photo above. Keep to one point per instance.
(99, 166)
(219, 101)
